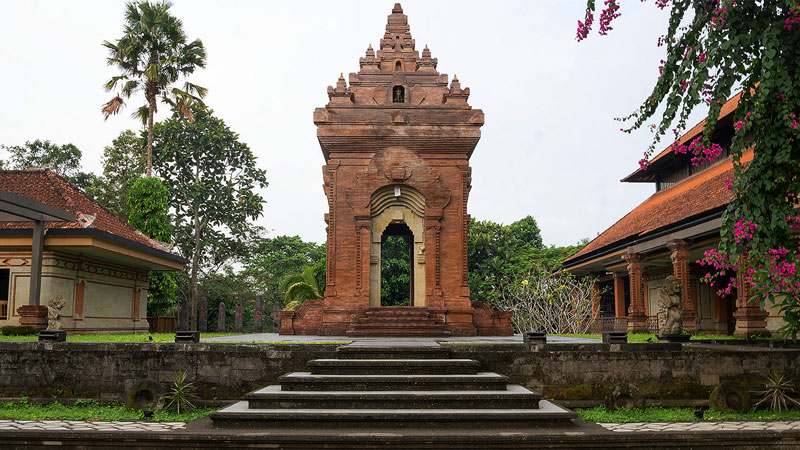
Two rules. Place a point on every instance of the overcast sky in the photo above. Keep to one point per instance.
(550, 147)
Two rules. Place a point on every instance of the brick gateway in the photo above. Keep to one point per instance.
(397, 141)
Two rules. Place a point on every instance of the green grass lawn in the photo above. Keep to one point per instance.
(654, 414)
(91, 410)
(150, 337)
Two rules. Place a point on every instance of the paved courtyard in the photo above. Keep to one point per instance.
(275, 337)
(162, 427)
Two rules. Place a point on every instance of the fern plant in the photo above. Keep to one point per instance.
(181, 393)
(778, 393)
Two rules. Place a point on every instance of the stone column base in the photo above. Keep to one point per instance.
(750, 321)
(637, 323)
(34, 316)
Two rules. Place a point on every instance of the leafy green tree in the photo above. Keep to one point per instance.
(714, 48)
(489, 255)
(62, 159)
(148, 204)
(213, 183)
(308, 284)
(124, 163)
(395, 272)
(152, 55)
(525, 233)
(271, 260)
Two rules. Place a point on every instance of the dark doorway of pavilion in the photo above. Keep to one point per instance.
(397, 260)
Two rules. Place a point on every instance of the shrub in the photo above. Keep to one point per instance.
(16, 331)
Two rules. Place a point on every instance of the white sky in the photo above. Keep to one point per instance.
(550, 147)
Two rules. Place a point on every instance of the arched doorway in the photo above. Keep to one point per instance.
(397, 260)
(398, 211)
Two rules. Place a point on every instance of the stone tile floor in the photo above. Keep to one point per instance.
(156, 427)
(703, 426)
(86, 425)
(275, 337)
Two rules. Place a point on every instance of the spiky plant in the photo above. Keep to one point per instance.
(181, 393)
(152, 54)
(309, 284)
(778, 393)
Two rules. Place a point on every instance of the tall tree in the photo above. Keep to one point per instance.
(152, 55)
(148, 205)
(62, 159)
(271, 260)
(124, 162)
(714, 47)
(213, 183)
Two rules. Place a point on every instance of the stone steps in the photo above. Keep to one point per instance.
(394, 366)
(384, 386)
(392, 352)
(397, 321)
(239, 414)
(306, 381)
(513, 397)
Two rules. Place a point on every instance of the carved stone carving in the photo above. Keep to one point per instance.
(670, 305)
(54, 307)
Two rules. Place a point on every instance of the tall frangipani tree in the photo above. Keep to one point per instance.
(152, 55)
(714, 48)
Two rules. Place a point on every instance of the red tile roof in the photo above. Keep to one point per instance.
(694, 196)
(728, 108)
(45, 186)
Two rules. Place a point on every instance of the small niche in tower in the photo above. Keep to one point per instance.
(398, 94)
(398, 66)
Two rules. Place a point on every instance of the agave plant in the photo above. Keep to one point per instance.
(778, 393)
(181, 393)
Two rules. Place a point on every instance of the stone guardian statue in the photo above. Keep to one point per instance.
(54, 306)
(670, 306)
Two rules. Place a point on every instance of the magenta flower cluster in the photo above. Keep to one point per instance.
(700, 153)
(743, 230)
(792, 17)
(739, 124)
(793, 124)
(585, 27)
(609, 13)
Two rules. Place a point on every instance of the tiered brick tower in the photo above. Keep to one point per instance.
(397, 143)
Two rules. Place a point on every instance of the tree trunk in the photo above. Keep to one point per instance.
(150, 114)
(195, 263)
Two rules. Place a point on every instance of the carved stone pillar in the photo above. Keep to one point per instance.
(619, 295)
(637, 317)
(680, 266)
(750, 319)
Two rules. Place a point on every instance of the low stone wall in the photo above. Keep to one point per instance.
(108, 370)
(665, 372)
(224, 371)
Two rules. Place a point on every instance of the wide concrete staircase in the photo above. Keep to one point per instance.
(416, 387)
(397, 321)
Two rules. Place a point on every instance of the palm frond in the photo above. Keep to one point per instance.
(112, 107)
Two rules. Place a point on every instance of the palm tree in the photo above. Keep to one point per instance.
(152, 54)
(309, 284)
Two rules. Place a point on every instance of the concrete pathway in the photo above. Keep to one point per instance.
(275, 337)
(161, 427)
(763, 425)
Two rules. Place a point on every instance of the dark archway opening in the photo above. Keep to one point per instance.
(397, 278)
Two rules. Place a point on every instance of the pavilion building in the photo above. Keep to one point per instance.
(92, 259)
(666, 235)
